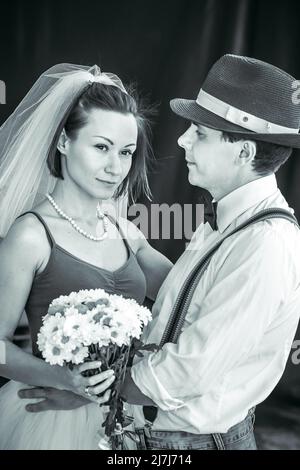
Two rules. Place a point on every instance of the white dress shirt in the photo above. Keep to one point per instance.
(240, 325)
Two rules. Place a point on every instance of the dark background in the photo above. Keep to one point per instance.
(167, 47)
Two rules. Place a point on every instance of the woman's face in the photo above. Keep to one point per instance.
(99, 158)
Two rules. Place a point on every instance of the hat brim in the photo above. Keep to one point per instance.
(191, 110)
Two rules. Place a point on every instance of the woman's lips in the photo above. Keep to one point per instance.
(111, 183)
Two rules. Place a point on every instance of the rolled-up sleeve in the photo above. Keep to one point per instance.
(246, 292)
(153, 387)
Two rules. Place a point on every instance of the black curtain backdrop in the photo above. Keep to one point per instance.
(167, 47)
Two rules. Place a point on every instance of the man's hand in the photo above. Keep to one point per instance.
(53, 399)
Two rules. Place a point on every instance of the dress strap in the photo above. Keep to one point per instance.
(114, 221)
(48, 233)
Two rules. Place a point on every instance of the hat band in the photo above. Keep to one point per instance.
(239, 117)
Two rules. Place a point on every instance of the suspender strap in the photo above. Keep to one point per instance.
(178, 314)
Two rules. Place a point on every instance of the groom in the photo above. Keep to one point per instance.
(238, 331)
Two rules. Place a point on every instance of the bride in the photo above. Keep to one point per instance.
(76, 141)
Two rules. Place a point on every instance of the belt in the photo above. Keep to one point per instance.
(143, 434)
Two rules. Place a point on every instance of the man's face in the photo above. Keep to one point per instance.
(210, 159)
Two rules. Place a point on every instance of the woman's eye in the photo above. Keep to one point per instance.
(102, 147)
(127, 153)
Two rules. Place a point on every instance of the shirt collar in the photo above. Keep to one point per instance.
(243, 198)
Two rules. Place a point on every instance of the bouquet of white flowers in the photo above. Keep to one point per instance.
(92, 325)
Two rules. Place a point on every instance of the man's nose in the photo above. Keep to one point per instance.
(184, 141)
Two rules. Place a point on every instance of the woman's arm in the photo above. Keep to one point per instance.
(155, 267)
(21, 254)
(154, 264)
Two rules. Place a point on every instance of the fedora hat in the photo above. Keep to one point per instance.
(247, 97)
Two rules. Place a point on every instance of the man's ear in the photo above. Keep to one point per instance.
(247, 152)
(63, 143)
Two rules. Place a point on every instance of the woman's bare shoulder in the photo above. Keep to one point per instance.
(26, 237)
(131, 232)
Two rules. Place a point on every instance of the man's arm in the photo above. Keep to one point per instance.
(132, 394)
(54, 399)
(239, 308)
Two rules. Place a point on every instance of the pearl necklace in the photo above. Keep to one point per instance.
(101, 216)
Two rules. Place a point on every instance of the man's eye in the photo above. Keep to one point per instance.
(200, 133)
(102, 147)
